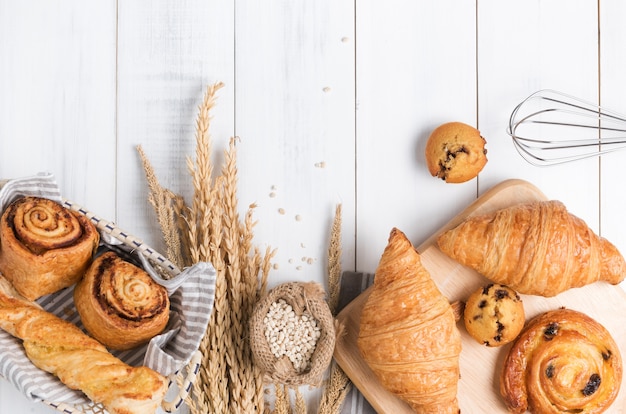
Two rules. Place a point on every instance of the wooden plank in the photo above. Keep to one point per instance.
(57, 100)
(295, 120)
(169, 52)
(57, 83)
(523, 47)
(412, 75)
(479, 365)
(612, 92)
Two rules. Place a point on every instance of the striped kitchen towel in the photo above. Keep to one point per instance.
(192, 292)
(352, 285)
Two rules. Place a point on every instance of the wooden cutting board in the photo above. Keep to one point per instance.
(480, 366)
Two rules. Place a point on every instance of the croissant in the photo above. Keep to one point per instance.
(564, 361)
(44, 247)
(408, 335)
(80, 362)
(119, 303)
(537, 248)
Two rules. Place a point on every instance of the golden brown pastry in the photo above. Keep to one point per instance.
(494, 315)
(455, 152)
(408, 335)
(119, 303)
(564, 361)
(44, 247)
(80, 362)
(537, 248)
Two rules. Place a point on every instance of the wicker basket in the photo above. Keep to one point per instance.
(153, 262)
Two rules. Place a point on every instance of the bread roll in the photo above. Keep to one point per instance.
(44, 247)
(119, 303)
(563, 362)
(79, 361)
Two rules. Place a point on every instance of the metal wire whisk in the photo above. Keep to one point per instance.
(551, 127)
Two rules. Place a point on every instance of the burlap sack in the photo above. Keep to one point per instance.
(301, 296)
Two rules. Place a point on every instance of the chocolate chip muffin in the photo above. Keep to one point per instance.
(494, 315)
(455, 152)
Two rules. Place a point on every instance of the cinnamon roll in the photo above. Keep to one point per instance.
(44, 247)
(564, 361)
(119, 303)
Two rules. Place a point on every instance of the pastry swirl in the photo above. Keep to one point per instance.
(119, 303)
(564, 361)
(44, 247)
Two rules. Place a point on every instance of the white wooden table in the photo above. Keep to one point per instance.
(332, 100)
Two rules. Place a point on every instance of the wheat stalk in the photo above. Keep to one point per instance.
(300, 402)
(334, 261)
(281, 400)
(204, 222)
(167, 207)
(338, 384)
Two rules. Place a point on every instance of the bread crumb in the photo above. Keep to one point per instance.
(326, 89)
(298, 217)
(321, 164)
(345, 39)
(310, 260)
(275, 266)
(272, 194)
(302, 245)
(290, 261)
(281, 211)
(298, 267)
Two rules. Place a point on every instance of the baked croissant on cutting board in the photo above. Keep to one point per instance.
(408, 334)
(537, 248)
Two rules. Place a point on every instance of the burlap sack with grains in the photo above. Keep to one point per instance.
(309, 297)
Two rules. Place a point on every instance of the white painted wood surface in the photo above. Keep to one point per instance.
(332, 101)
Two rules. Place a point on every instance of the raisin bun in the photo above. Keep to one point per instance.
(494, 315)
(455, 152)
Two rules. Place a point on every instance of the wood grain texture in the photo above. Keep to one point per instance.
(295, 118)
(169, 52)
(332, 101)
(612, 92)
(478, 386)
(557, 50)
(57, 96)
(412, 75)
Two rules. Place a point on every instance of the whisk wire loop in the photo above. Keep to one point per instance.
(550, 127)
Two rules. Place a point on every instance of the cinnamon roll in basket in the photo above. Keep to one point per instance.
(44, 247)
(119, 304)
